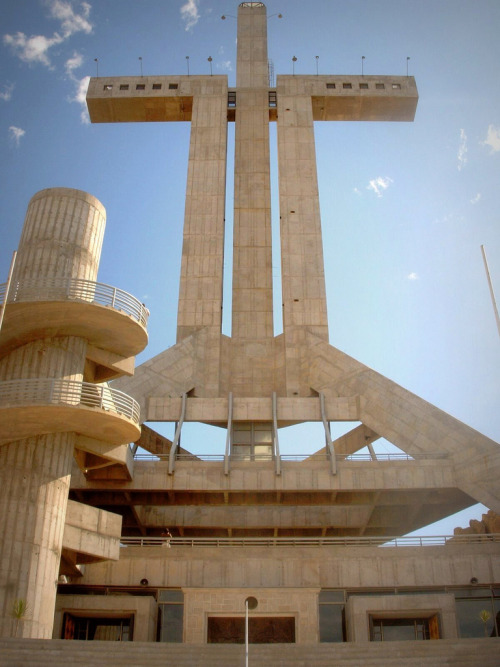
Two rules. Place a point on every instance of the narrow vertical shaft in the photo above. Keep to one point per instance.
(252, 256)
(200, 292)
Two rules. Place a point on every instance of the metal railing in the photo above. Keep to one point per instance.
(373, 541)
(49, 391)
(75, 289)
(322, 456)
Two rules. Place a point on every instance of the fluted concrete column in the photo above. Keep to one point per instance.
(61, 239)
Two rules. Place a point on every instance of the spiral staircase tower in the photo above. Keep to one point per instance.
(63, 335)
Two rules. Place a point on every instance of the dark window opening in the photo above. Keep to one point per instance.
(141, 86)
(330, 85)
(363, 86)
(332, 625)
(261, 630)
(379, 86)
(173, 86)
(123, 86)
(273, 101)
(347, 85)
(231, 98)
(170, 616)
(396, 86)
(89, 628)
(400, 629)
(156, 86)
(108, 86)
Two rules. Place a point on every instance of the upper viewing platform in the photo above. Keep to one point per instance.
(109, 318)
(170, 98)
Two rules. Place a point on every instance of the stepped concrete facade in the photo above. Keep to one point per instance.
(170, 549)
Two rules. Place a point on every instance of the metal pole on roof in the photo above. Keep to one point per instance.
(7, 287)
(490, 285)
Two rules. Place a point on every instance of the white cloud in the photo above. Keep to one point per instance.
(16, 133)
(35, 49)
(462, 151)
(71, 22)
(475, 199)
(6, 93)
(225, 65)
(190, 14)
(379, 184)
(74, 62)
(356, 191)
(80, 97)
(412, 276)
(493, 139)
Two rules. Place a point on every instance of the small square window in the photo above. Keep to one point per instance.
(173, 86)
(156, 86)
(330, 85)
(396, 86)
(141, 86)
(123, 86)
(363, 86)
(379, 86)
(347, 85)
(108, 86)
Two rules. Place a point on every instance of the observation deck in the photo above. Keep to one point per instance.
(111, 320)
(45, 405)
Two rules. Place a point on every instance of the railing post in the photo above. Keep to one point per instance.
(328, 437)
(175, 443)
(228, 435)
(113, 298)
(276, 444)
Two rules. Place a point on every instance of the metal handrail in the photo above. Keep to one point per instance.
(322, 456)
(75, 289)
(373, 541)
(53, 391)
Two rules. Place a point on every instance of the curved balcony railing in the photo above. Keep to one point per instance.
(75, 289)
(48, 391)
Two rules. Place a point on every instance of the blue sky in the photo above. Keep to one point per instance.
(405, 206)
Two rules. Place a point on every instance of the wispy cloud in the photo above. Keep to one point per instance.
(379, 185)
(413, 276)
(80, 98)
(475, 199)
(190, 14)
(462, 151)
(16, 133)
(35, 49)
(6, 93)
(356, 191)
(492, 139)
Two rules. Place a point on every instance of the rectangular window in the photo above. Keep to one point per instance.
(96, 628)
(173, 86)
(123, 86)
(400, 629)
(170, 616)
(140, 86)
(231, 98)
(108, 86)
(363, 86)
(396, 86)
(347, 85)
(156, 86)
(379, 86)
(332, 626)
(330, 85)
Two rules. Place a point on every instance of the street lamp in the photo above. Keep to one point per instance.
(250, 603)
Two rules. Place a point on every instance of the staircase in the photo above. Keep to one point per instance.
(58, 652)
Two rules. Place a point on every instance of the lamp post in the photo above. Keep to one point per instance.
(250, 603)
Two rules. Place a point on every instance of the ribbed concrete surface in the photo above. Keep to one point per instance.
(18, 653)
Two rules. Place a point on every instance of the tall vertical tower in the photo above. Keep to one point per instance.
(52, 400)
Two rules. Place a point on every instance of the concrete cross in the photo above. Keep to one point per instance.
(295, 103)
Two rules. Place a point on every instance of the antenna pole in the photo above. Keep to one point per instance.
(490, 285)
